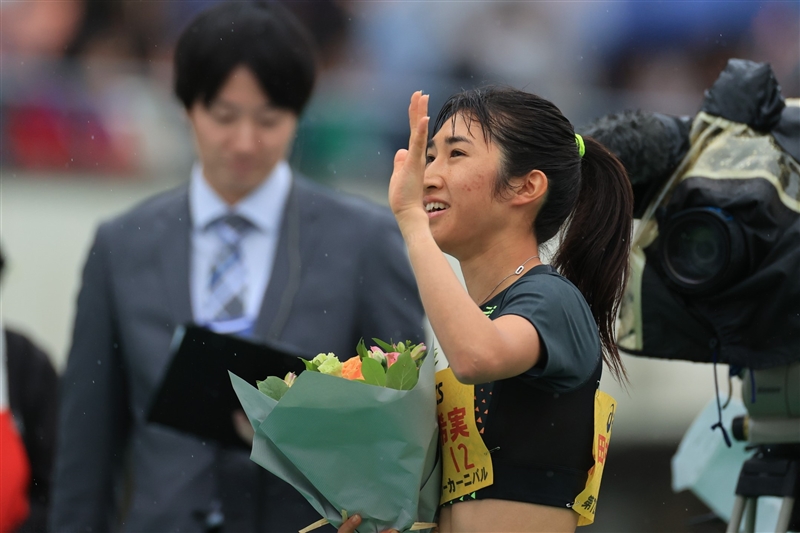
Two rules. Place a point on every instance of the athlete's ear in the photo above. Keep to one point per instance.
(530, 189)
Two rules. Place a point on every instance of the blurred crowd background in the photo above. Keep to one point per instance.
(86, 83)
(89, 126)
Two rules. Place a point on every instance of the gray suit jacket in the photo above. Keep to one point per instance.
(340, 274)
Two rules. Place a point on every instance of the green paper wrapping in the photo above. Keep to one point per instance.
(349, 446)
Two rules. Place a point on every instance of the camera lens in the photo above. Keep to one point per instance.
(702, 250)
(698, 251)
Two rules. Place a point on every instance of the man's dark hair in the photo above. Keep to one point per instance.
(265, 38)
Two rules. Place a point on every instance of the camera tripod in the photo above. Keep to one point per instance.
(773, 471)
(772, 427)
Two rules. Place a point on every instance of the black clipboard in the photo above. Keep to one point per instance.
(196, 397)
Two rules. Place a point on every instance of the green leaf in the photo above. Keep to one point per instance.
(309, 364)
(361, 349)
(373, 372)
(383, 346)
(273, 386)
(403, 374)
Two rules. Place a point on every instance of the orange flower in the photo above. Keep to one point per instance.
(351, 369)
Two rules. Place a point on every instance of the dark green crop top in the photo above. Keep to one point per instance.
(539, 425)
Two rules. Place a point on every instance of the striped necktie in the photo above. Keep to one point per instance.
(228, 280)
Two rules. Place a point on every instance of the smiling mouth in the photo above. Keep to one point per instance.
(434, 207)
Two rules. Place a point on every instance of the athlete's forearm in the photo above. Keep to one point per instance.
(468, 338)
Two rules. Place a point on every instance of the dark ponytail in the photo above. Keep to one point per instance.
(590, 193)
(593, 253)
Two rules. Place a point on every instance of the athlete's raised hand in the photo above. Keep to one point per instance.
(406, 187)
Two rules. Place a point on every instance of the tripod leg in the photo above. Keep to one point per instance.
(736, 515)
(785, 515)
(750, 515)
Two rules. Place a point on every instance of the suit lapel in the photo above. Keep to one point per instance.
(285, 276)
(290, 257)
(174, 240)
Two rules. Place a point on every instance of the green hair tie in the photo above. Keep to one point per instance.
(581, 146)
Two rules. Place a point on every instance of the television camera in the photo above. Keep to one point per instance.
(715, 259)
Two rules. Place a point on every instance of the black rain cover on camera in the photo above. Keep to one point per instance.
(740, 160)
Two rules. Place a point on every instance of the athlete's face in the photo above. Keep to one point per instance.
(462, 167)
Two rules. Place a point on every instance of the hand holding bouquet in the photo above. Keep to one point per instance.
(353, 437)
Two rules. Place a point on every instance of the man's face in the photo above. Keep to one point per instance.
(240, 136)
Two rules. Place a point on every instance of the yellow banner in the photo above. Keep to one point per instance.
(586, 502)
(466, 463)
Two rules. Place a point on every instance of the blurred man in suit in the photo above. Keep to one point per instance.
(246, 247)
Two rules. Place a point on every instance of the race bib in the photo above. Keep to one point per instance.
(586, 502)
(466, 463)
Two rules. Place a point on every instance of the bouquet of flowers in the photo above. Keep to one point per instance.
(358, 436)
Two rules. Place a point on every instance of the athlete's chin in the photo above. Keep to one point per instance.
(443, 241)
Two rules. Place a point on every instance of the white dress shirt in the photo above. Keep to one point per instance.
(264, 209)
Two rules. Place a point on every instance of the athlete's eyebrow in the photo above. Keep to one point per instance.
(453, 139)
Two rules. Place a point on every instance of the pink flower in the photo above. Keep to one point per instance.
(377, 354)
(391, 358)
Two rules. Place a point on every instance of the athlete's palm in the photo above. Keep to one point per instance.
(406, 186)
